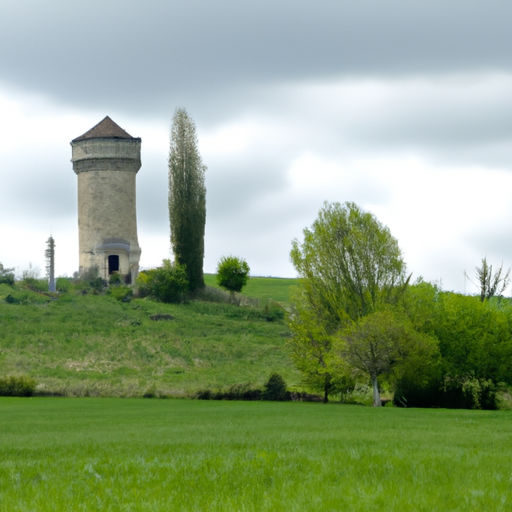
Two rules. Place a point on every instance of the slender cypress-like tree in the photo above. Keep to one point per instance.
(50, 263)
(187, 197)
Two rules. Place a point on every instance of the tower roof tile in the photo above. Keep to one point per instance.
(105, 129)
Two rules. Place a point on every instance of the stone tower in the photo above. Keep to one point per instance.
(106, 160)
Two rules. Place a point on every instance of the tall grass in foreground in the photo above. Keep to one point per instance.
(115, 454)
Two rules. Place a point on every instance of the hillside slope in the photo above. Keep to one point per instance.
(94, 345)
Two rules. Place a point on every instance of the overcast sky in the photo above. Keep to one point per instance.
(402, 107)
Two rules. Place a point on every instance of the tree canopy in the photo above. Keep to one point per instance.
(475, 348)
(349, 262)
(350, 267)
(232, 273)
(380, 344)
(187, 198)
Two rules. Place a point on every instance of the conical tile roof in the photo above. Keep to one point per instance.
(105, 129)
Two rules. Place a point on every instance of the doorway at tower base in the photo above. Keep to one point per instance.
(114, 255)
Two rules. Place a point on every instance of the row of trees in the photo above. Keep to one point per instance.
(357, 316)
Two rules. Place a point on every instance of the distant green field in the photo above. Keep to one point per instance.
(263, 288)
(160, 455)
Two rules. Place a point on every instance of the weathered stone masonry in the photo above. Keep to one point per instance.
(106, 160)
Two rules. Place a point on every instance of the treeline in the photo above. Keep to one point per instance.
(473, 355)
(357, 318)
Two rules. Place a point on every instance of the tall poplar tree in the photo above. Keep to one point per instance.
(187, 197)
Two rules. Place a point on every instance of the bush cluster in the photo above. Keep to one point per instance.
(17, 385)
(34, 284)
(6, 275)
(63, 284)
(272, 312)
(168, 283)
(24, 297)
(274, 390)
(466, 393)
(121, 293)
(234, 392)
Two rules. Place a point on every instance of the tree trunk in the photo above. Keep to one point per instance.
(376, 395)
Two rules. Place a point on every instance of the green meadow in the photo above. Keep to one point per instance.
(94, 345)
(107, 454)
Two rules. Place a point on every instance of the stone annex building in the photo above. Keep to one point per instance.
(106, 160)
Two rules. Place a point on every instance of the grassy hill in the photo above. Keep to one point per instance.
(95, 345)
(263, 288)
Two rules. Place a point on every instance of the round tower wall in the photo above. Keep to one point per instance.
(107, 218)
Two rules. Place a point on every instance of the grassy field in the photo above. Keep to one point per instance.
(83, 345)
(263, 288)
(133, 454)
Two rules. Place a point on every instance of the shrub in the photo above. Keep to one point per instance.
(275, 389)
(168, 283)
(24, 297)
(232, 274)
(63, 284)
(6, 275)
(115, 279)
(34, 284)
(89, 281)
(96, 285)
(456, 393)
(273, 312)
(235, 392)
(121, 293)
(19, 385)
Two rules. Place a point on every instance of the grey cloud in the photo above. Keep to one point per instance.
(38, 186)
(457, 117)
(148, 57)
(492, 242)
(234, 185)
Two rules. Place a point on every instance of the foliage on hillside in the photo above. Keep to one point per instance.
(475, 349)
(355, 317)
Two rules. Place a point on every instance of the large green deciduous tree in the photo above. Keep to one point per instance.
(380, 344)
(350, 266)
(187, 198)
